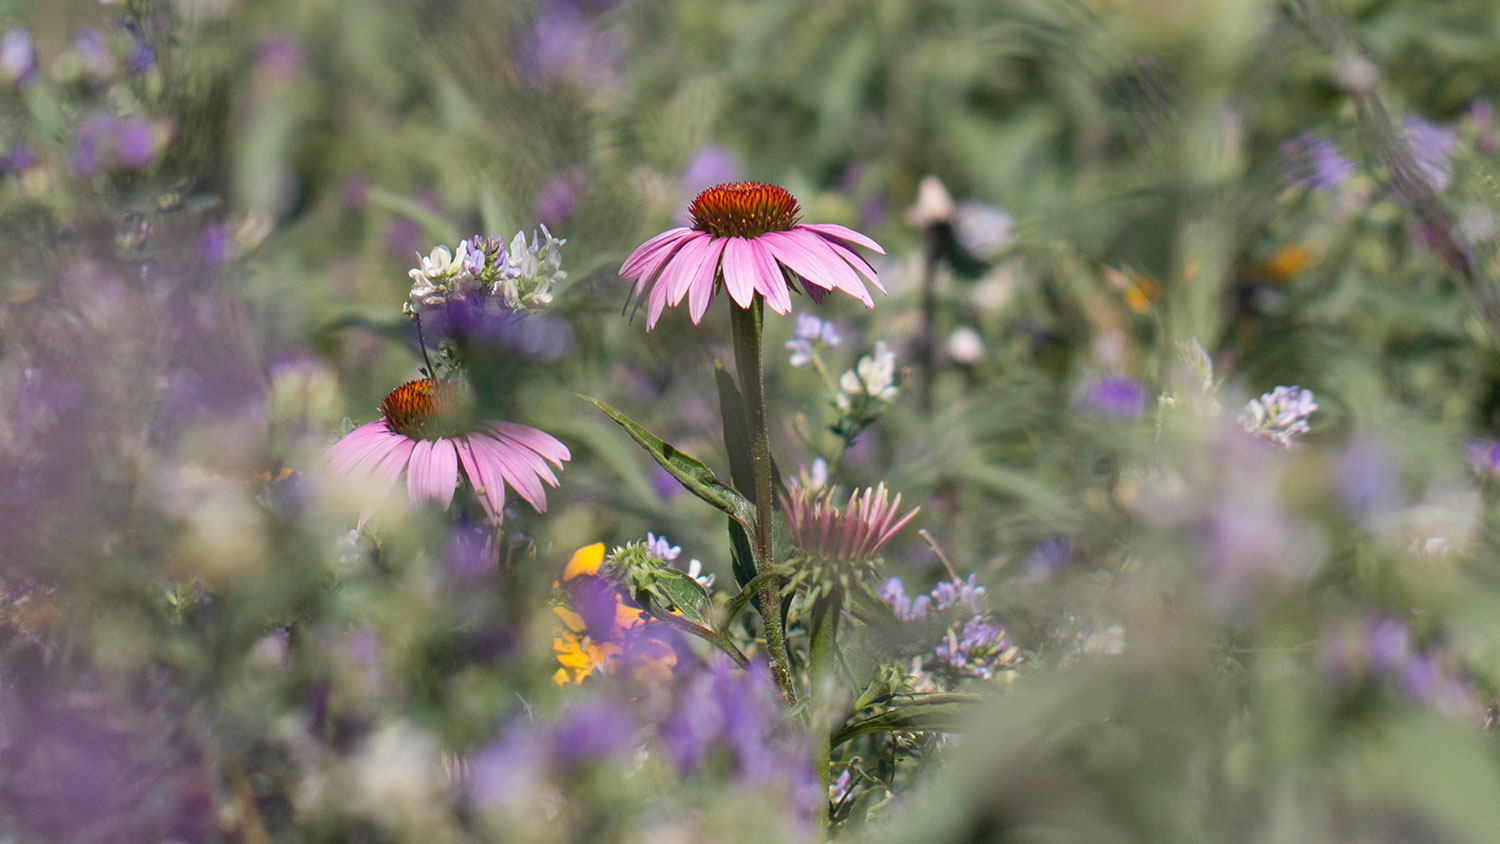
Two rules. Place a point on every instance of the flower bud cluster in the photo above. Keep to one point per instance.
(813, 336)
(521, 276)
(871, 380)
(969, 642)
(1280, 415)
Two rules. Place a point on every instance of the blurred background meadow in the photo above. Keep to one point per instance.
(1109, 225)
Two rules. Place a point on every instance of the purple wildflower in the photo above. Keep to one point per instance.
(1431, 145)
(974, 651)
(1114, 396)
(17, 58)
(1483, 454)
(1316, 162)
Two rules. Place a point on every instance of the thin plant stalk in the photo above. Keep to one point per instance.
(822, 656)
(745, 327)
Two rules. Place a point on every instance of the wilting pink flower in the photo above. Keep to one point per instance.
(746, 235)
(425, 431)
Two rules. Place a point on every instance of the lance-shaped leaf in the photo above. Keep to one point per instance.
(692, 474)
(684, 594)
(938, 712)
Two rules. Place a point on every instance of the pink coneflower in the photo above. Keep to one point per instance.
(425, 429)
(747, 235)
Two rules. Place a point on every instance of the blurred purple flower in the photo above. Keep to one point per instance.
(663, 484)
(975, 650)
(98, 61)
(1431, 145)
(1048, 557)
(1114, 396)
(557, 198)
(564, 46)
(1316, 162)
(279, 57)
(592, 730)
(1367, 478)
(17, 58)
(711, 165)
(1483, 454)
(135, 143)
(893, 592)
(214, 244)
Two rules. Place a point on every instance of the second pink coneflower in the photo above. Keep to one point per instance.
(746, 235)
(426, 430)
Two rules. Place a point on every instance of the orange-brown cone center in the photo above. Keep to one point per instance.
(744, 209)
(426, 409)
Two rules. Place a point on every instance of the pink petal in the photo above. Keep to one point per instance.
(768, 277)
(368, 441)
(417, 472)
(539, 441)
(808, 256)
(658, 302)
(856, 261)
(443, 472)
(649, 253)
(491, 498)
(843, 233)
(701, 292)
(739, 271)
(384, 475)
(686, 266)
(657, 260)
(501, 457)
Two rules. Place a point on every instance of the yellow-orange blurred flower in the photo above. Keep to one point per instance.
(1288, 260)
(582, 652)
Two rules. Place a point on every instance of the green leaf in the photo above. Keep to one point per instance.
(686, 595)
(741, 554)
(939, 712)
(736, 432)
(696, 477)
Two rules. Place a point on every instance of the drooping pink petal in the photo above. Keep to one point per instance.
(768, 277)
(649, 255)
(443, 471)
(843, 233)
(856, 261)
(369, 441)
(809, 256)
(417, 471)
(658, 302)
(701, 291)
(501, 456)
(491, 494)
(539, 441)
(684, 267)
(384, 476)
(739, 271)
(649, 266)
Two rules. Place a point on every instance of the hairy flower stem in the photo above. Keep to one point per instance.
(823, 686)
(745, 327)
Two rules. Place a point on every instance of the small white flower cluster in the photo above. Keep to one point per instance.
(812, 334)
(521, 276)
(1279, 415)
(668, 553)
(873, 377)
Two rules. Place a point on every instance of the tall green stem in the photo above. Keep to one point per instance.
(745, 326)
(825, 631)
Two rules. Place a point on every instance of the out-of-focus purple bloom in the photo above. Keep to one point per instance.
(1379, 648)
(141, 59)
(1049, 557)
(356, 192)
(1431, 145)
(1280, 415)
(711, 165)
(1367, 479)
(1480, 120)
(98, 61)
(592, 730)
(135, 143)
(1316, 162)
(214, 244)
(1116, 396)
(663, 484)
(1483, 454)
(565, 46)
(967, 595)
(557, 197)
(17, 57)
(983, 230)
(279, 57)
(16, 159)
